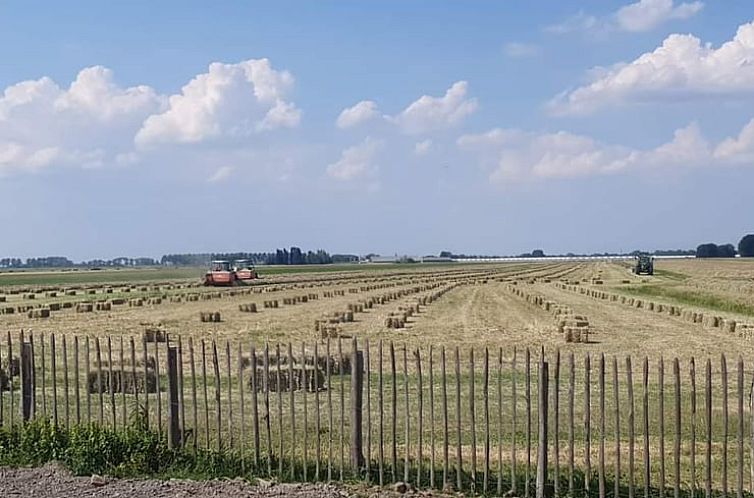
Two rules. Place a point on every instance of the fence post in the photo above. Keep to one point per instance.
(357, 383)
(174, 427)
(543, 417)
(26, 381)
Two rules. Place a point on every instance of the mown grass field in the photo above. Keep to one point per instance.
(80, 276)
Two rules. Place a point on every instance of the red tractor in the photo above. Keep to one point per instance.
(220, 274)
(245, 270)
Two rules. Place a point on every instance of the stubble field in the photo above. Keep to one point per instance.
(429, 334)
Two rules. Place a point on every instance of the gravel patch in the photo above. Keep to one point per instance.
(54, 481)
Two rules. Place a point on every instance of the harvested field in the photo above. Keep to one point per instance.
(574, 308)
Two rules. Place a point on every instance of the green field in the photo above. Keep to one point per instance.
(690, 297)
(146, 274)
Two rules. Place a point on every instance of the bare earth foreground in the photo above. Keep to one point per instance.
(54, 481)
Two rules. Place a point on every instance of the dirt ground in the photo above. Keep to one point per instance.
(53, 481)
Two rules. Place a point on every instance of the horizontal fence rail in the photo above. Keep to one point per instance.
(492, 421)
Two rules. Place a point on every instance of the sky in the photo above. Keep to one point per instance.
(395, 127)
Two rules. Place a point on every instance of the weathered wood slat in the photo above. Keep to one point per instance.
(631, 427)
(571, 423)
(692, 445)
(677, 440)
(708, 432)
(381, 416)
(724, 403)
(617, 432)
(459, 453)
(556, 425)
(527, 387)
(420, 428)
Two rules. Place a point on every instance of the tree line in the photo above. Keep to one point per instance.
(63, 262)
(712, 250)
(292, 256)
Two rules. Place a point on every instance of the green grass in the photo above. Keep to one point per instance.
(130, 452)
(671, 275)
(690, 297)
(71, 277)
(146, 274)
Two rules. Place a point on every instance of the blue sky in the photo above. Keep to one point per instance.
(143, 128)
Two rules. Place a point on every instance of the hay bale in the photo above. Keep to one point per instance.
(84, 308)
(13, 369)
(308, 378)
(39, 313)
(248, 308)
(155, 334)
(210, 316)
(103, 306)
(576, 333)
(138, 381)
(329, 331)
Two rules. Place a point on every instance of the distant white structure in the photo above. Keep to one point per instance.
(560, 258)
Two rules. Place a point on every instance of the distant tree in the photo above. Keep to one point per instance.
(296, 258)
(674, 252)
(706, 251)
(746, 246)
(446, 254)
(726, 251)
(538, 253)
(711, 250)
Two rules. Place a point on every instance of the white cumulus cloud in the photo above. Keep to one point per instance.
(356, 162)
(640, 16)
(86, 124)
(512, 154)
(227, 100)
(574, 23)
(682, 67)
(645, 15)
(429, 113)
(362, 112)
(738, 149)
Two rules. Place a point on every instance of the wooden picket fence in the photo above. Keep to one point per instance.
(493, 420)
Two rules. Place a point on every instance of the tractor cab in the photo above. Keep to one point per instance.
(644, 264)
(220, 274)
(245, 270)
(220, 266)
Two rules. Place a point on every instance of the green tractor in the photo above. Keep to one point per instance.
(645, 264)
